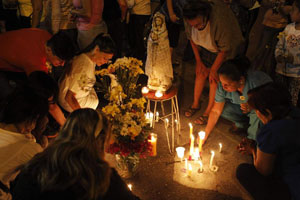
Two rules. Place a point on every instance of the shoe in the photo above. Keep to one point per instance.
(191, 111)
(202, 120)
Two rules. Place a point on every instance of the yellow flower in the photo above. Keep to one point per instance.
(102, 72)
(138, 102)
(111, 110)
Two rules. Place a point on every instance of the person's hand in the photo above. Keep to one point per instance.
(247, 146)
(245, 107)
(173, 18)
(201, 69)
(44, 142)
(213, 76)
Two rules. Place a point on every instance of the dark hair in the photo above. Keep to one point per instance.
(43, 84)
(235, 68)
(270, 97)
(195, 8)
(23, 105)
(297, 4)
(62, 46)
(104, 42)
(73, 162)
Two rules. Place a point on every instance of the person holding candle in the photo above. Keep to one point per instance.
(235, 81)
(275, 172)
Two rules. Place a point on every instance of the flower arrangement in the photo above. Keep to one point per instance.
(125, 109)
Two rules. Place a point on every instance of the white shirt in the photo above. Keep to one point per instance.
(202, 38)
(15, 149)
(80, 81)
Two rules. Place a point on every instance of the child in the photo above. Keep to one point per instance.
(287, 54)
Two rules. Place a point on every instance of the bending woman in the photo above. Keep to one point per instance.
(231, 97)
(73, 167)
(76, 85)
(275, 172)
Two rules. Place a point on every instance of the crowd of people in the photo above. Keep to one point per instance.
(249, 55)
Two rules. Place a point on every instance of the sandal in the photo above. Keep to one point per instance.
(202, 120)
(190, 111)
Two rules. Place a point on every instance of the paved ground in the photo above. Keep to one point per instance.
(161, 178)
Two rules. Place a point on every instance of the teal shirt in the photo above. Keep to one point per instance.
(253, 80)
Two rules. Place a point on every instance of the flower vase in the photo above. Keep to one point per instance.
(127, 166)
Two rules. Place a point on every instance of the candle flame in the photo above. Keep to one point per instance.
(158, 94)
(190, 167)
(130, 187)
(167, 120)
(212, 153)
(220, 145)
(190, 124)
(201, 135)
(200, 163)
(145, 90)
(192, 137)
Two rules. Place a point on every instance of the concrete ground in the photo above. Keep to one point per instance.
(161, 178)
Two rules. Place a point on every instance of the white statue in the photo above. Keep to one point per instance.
(158, 64)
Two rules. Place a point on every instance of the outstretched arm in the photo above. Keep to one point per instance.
(213, 117)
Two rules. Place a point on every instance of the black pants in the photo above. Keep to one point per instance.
(136, 37)
(261, 187)
(116, 30)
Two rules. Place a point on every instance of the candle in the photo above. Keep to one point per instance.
(196, 154)
(153, 142)
(177, 125)
(157, 116)
(192, 145)
(220, 147)
(211, 159)
(180, 152)
(158, 94)
(145, 90)
(130, 187)
(166, 123)
(201, 138)
(190, 170)
(201, 166)
(191, 129)
(151, 119)
(186, 163)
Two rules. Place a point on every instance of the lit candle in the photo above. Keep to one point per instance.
(192, 145)
(158, 94)
(153, 142)
(130, 187)
(211, 159)
(156, 116)
(145, 90)
(147, 115)
(190, 170)
(166, 123)
(186, 163)
(201, 138)
(220, 147)
(201, 166)
(180, 152)
(177, 125)
(151, 119)
(191, 129)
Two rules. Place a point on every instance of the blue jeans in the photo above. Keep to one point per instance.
(233, 112)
